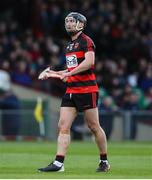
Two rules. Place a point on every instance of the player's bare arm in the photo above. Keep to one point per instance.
(48, 73)
(85, 65)
(62, 71)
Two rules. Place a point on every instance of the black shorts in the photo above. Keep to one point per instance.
(80, 101)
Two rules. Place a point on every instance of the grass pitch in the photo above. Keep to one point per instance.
(127, 159)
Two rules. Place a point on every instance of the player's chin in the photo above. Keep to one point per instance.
(68, 30)
(71, 32)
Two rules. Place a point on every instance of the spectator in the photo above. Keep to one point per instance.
(146, 82)
(106, 119)
(130, 103)
(148, 97)
(9, 106)
(21, 74)
(122, 37)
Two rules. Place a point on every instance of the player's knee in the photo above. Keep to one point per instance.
(63, 128)
(94, 127)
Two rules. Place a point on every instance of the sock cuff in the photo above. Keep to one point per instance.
(103, 157)
(60, 158)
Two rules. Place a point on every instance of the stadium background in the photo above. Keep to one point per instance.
(32, 37)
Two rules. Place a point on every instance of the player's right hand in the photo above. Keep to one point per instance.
(47, 73)
(44, 74)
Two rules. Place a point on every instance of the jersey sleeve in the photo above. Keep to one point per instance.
(88, 45)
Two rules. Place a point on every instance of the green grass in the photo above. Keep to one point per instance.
(127, 159)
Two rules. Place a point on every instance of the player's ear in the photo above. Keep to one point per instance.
(80, 25)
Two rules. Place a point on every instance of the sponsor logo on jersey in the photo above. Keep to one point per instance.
(71, 61)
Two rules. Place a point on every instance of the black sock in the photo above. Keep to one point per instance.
(103, 157)
(59, 158)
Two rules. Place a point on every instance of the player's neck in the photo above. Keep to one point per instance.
(76, 36)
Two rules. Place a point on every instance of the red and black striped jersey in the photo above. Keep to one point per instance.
(83, 82)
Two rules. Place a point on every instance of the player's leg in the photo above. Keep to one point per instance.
(67, 115)
(92, 119)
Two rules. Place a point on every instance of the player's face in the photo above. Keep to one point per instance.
(70, 24)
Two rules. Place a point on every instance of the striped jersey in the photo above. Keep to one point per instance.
(83, 82)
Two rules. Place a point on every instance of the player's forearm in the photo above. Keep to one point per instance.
(85, 65)
(63, 71)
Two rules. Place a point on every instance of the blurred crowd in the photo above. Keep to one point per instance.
(122, 33)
